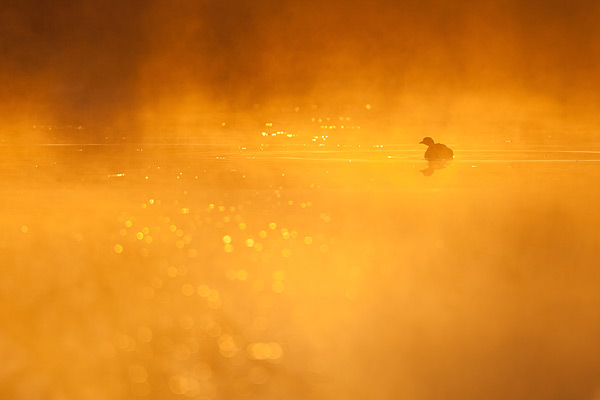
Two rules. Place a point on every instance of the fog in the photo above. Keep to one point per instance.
(223, 200)
(212, 273)
(475, 69)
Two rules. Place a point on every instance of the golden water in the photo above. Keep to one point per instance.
(294, 272)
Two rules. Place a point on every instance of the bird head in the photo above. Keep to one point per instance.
(427, 141)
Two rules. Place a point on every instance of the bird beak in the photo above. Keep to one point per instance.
(421, 142)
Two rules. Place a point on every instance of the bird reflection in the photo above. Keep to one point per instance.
(433, 165)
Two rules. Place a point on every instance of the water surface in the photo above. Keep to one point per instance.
(298, 272)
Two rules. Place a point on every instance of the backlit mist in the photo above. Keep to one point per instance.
(474, 68)
(230, 200)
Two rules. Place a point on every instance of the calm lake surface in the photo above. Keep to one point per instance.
(299, 272)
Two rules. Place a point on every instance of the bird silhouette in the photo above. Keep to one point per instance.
(436, 151)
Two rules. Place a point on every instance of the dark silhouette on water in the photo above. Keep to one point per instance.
(433, 165)
(437, 151)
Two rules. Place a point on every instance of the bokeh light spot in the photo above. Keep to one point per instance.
(278, 287)
(187, 289)
(144, 334)
(203, 290)
(137, 373)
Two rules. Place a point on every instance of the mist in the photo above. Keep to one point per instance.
(498, 64)
(299, 200)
